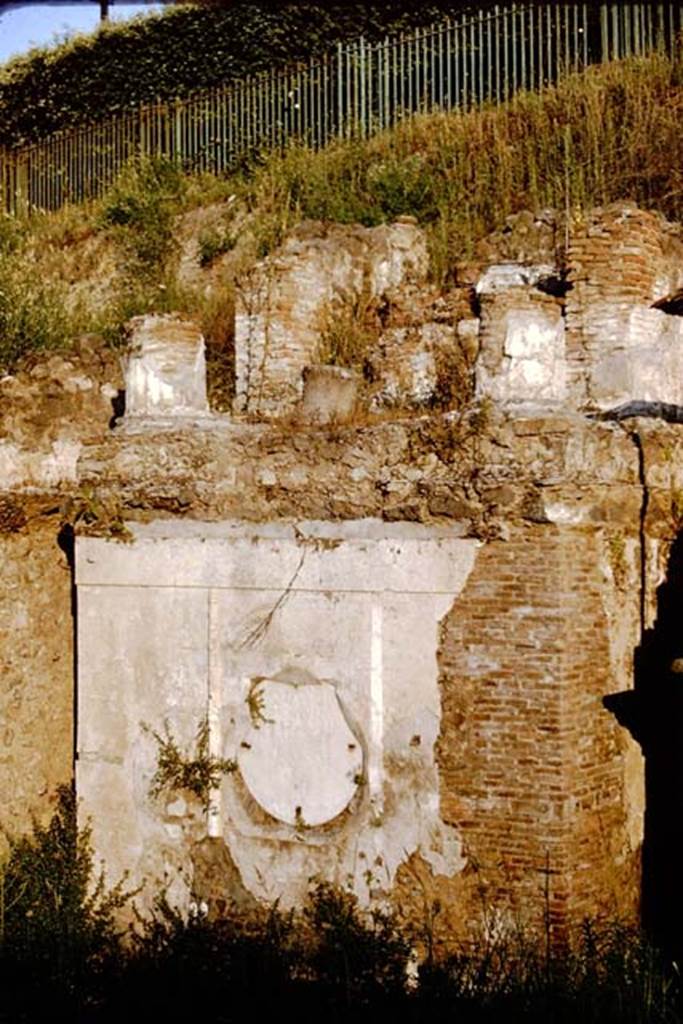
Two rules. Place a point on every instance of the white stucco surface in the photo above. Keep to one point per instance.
(532, 370)
(301, 728)
(165, 368)
(312, 650)
(637, 356)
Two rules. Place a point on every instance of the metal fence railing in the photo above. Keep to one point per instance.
(357, 89)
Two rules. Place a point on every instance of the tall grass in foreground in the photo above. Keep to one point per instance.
(61, 957)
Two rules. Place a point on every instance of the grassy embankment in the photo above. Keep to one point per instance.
(610, 133)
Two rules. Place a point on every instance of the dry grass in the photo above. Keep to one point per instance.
(610, 133)
(607, 134)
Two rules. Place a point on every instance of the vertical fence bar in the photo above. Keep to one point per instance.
(472, 65)
(362, 73)
(515, 80)
(411, 67)
(506, 51)
(496, 47)
(349, 88)
(480, 55)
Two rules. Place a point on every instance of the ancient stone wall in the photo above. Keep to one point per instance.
(536, 777)
(36, 671)
(621, 260)
(291, 304)
(48, 412)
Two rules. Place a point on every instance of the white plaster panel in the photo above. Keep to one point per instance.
(299, 758)
(251, 557)
(639, 358)
(142, 660)
(23, 467)
(165, 368)
(532, 369)
(351, 613)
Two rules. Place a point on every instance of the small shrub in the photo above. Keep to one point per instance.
(33, 315)
(198, 773)
(140, 207)
(348, 334)
(57, 922)
(403, 186)
(213, 244)
(356, 959)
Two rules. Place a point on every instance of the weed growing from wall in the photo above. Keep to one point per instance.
(199, 772)
(348, 333)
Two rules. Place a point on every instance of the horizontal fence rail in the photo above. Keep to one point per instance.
(356, 90)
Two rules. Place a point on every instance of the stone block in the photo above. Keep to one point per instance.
(502, 276)
(330, 394)
(531, 369)
(640, 359)
(166, 368)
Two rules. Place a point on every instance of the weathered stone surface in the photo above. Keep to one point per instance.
(48, 411)
(165, 368)
(268, 631)
(285, 304)
(406, 362)
(529, 237)
(300, 728)
(330, 394)
(640, 359)
(502, 276)
(36, 674)
(621, 260)
(532, 370)
(216, 883)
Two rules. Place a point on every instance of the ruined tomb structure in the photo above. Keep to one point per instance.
(429, 630)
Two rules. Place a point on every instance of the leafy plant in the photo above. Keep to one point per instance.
(33, 315)
(140, 207)
(212, 244)
(99, 517)
(57, 920)
(256, 705)
(199, 772)
(356, 957)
